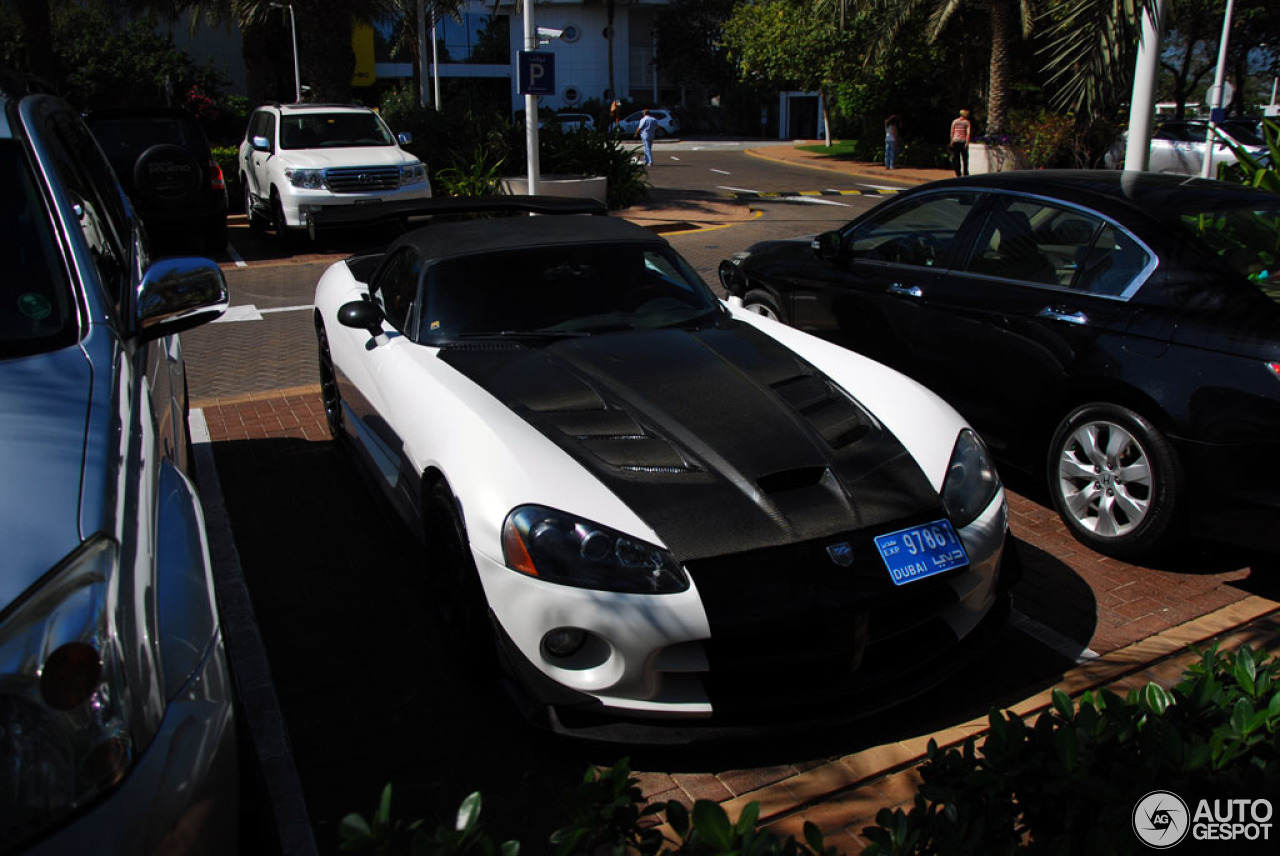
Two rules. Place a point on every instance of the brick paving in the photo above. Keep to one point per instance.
(1112, 608)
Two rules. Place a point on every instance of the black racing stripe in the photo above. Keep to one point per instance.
(721, 439)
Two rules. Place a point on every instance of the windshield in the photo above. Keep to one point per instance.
(37, 310)
(332, 130)
(124, 138)
(1247, 132)
(562, 291)
(1246, 239)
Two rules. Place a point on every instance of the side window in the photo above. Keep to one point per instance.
(96, 202)
(1112, 263)
(1028, 240)
(396, 288)
(921, 232)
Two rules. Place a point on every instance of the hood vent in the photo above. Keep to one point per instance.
(796, 479)
(619, 441)
(835, 416)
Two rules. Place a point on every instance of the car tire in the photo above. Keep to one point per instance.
(1115, 480)
(278, 224)
(166, 175)
(256, 221)
(330, 395)
(762, 303)
(468, 629)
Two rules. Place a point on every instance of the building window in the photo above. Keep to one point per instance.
(480, 39)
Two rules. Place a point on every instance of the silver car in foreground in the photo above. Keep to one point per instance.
(117, 730)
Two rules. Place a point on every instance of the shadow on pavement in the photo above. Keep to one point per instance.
(348, 617)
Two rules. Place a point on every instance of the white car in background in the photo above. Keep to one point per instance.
(651, 506)
(297, 159)
(569, 121)
(1178, 145)
(668, 124)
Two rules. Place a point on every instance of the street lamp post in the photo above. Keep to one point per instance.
(293, 30)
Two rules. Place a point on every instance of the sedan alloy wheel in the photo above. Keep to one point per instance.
(1114, 479)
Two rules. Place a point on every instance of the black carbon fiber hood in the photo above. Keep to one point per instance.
(721, 439)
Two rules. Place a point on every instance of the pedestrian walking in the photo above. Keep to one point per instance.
(646, 131)
(615, 108)
(960, 131)
(891, 141)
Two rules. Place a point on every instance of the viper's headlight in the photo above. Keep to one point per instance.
(308, 179)
(971, 481)
(561, 548)
(414, 173)
(71, 724)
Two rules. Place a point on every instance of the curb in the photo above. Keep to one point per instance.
(259, 707)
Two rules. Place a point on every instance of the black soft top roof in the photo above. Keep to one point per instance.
(471, 237)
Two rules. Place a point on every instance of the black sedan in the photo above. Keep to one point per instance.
(1118, 333)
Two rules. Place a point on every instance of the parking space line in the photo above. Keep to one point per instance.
(1052, 639)
(236, 257)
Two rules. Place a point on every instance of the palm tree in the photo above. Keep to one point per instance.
(1009, 19)
(1090, 49)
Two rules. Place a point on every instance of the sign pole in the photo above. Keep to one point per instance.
(531, 105)
(1215, 94)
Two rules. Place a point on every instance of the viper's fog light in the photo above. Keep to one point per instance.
(564, 641)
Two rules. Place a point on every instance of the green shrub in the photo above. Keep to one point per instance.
(1069, 783)
(228, 157)
(1252, 171)
(608, 817)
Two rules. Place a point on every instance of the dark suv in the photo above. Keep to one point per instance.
(162, 158)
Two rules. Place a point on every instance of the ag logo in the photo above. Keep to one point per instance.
(1161, 819)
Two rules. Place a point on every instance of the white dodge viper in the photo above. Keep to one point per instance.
(659, 511)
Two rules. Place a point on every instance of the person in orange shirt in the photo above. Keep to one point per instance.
(960, 131)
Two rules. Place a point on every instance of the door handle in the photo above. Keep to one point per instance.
(1057, 313)
(905, 290)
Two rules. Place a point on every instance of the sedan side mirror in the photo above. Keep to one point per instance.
(827, 246)
(361, 315)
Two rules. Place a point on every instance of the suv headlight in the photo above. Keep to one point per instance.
(71, 723)
(413, 173)
(308, 179)
(561, 548)
(971, 481)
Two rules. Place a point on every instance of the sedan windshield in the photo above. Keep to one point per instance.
(562, 291)
(1246, 239)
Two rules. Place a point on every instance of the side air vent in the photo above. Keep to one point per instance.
(836, 418)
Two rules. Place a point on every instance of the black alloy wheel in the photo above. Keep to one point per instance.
(1115, 480)
(278, 223)
(330, 395)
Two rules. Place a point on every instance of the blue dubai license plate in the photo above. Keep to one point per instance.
(921, 551)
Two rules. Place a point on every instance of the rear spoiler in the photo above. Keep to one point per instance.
(331, 216)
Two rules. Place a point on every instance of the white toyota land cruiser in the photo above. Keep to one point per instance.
(298, 158)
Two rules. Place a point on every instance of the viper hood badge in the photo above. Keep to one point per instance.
(841, 554)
